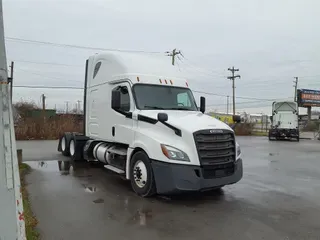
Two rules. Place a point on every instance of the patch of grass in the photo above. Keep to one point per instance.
(312, 126)
(260, 134)
(30, 220)
(50, 128)
(24, 169)
(243, 129)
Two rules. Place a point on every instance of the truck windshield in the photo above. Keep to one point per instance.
(150, 97)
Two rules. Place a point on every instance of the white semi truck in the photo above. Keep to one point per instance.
(284, 121)
(141, 121)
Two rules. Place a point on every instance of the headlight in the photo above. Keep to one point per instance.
(238, 149)
(174, 153)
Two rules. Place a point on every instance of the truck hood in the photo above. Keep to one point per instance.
(190, 121)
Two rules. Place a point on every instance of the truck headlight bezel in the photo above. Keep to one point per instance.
(173, 153)
(238, 151)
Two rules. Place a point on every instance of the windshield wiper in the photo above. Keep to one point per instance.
(153, 107)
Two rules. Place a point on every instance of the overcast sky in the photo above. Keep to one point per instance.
(269, 41)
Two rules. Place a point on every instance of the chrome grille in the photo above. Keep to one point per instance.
(215, 146)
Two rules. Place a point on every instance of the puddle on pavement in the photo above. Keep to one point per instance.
(99, 200)
(274, 154)
(274, 160)
(90, 188)
(50, 166)
(142, 216)
(62, 167)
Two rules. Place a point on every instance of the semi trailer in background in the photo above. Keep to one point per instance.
(284, 121)
(141, 121)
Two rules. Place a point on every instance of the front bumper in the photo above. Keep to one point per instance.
(283, 133)
(176, 178)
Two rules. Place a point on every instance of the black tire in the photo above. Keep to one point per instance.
(149, 189)
(270, 137)
(65, 148)
(72, 148)
(76, 149)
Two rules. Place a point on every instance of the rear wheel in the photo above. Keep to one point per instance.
(72, 147)
(76, 151)
(65, 149)
(141, 175)
(271, 138)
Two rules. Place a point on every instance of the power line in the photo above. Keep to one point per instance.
(249, 102)
(246, 102)
(49, 77)
(221, 95)
(49, 63)
(46, 87)
(198, 69)
(22, 40)
(81, 88)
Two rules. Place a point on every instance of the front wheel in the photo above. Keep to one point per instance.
(141, 175)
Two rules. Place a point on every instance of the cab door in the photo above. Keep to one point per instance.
(122, 129)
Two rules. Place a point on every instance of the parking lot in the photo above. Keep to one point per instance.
(278, 198)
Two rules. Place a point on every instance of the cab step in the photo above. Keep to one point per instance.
(114, 169)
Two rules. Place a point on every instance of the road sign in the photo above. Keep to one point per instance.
(308, 98)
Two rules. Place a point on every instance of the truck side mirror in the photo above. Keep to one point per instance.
(236, 118)
(162, 117)
(115, 99)
(202, 104)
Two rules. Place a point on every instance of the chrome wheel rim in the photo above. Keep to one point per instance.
(140, 174)
(72, 148)
(63, 144)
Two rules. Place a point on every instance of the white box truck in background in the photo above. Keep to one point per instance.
(284, 121)
(141, 121)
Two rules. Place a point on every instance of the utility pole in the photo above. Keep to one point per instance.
(43, 97)
(78, 106)
(295, 88)
(10, 79)
(67, 105)
(173, 54)
(228, 104)
(233, 77)
(43, 100)
(11, 206)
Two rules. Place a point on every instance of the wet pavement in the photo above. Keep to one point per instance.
(278, 198)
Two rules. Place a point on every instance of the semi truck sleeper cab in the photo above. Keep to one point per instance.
(141, 121)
